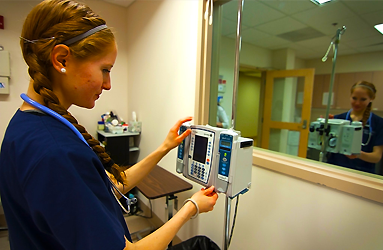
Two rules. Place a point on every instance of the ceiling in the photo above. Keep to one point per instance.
(305, 27)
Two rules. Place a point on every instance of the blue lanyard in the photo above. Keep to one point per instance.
(53, 114)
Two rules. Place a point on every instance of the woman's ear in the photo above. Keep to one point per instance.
(59, 56)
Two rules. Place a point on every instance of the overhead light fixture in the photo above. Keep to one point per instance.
(320, 2)
(379, 27)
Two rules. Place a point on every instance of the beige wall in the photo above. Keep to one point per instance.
(14, 13)
(162, 59)
(158, 60)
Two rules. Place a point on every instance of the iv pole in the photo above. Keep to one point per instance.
(234, 105)
(334, 43)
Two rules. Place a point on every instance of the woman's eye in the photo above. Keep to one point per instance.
(106, 71)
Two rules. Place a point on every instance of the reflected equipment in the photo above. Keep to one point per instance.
(340, 136)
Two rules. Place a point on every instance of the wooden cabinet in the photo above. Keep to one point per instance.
(321, 90)
(377, 79)
(342, 88)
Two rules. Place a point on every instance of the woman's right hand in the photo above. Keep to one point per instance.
(206, 199)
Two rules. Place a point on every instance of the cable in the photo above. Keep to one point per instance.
(151, 212)
(235, 216)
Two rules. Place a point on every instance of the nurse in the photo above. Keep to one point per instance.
(362, 95)
(54, 186)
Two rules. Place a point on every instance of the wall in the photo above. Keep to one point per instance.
(371, 61)
(14, 13)
(162, 52)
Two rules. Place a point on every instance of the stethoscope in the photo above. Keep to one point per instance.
(369, 125)
(79, 135)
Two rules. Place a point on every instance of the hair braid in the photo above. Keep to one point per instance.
(62, 20)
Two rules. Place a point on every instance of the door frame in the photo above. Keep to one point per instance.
(302, 127)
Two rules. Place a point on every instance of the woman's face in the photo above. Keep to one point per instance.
(86, 79)
(360, 99)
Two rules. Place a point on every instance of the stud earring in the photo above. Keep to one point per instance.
(63, 70)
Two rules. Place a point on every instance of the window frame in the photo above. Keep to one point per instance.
(347, 180)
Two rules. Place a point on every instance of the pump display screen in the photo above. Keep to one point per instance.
(200, 148)
(225, 143)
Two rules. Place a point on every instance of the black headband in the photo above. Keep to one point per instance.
(83, 35)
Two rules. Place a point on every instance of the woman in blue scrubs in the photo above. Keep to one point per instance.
(54, 183)
(362, 96)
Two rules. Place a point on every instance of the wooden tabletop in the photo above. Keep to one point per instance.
(160, 183)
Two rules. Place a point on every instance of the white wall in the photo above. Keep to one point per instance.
(14, 13)
(162, 54)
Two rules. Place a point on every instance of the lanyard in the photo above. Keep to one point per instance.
(73, 128)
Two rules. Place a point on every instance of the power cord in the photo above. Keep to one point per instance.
(235, 216)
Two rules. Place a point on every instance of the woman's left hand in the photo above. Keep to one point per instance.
(172, 140)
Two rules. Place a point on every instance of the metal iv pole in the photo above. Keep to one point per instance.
(334, 43)
(233, 116)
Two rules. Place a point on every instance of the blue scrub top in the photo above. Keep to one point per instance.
(54, 189)
(376, 140)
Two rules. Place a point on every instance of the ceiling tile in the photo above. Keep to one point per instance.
(289, 7)
(373, 18)
(280, 26)
(329, 13)
(270, 42)
(255, 13)
(366, 41)
(251, 35)
(364, 6)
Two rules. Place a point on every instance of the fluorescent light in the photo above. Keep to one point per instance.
(320, 2)
(379, 27)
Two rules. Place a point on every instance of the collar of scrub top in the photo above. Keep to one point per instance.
(369, 126)
(53, 114)
(73, 128)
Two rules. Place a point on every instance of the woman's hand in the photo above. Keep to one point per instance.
(206, 199)
(172, 140)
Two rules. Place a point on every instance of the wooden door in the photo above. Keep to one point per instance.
(287, 108)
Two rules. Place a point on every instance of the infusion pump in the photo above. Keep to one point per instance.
(341, 136)
(216, 157)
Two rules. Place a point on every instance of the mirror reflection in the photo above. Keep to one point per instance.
(284, 85)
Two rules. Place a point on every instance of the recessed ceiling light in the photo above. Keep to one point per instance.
(379, 27)
(320, 2)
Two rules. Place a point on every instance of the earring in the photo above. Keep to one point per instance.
(63, 70)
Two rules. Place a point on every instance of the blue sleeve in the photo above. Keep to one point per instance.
(378, 137)
(70, 201)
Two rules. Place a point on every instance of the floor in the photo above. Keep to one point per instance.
(4, 243)
(138, 226)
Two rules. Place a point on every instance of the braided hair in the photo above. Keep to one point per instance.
(371, 91)
(50, 23)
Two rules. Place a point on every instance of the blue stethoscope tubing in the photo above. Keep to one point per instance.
(369, 124)
(52, 113)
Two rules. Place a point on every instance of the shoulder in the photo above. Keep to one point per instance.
(341, 116)
(40, 141)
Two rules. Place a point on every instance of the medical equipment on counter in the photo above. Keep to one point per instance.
(341, 136)
(216, 157)
(79, 135)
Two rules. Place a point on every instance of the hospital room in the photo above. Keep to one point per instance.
(285, 93)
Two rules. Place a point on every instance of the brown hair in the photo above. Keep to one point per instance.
(50, 23)
(371, 91)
